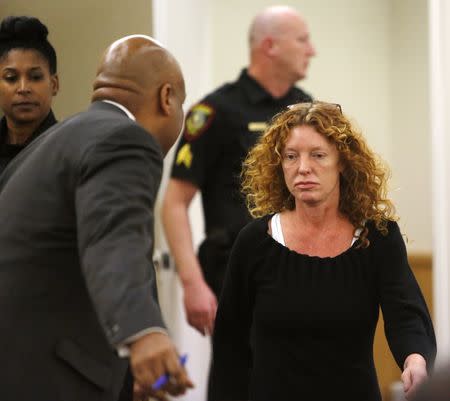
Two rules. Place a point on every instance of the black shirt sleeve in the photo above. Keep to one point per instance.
(200, 145)
(231, 341)
(407, 322)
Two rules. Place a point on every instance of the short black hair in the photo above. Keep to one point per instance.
(26, 33)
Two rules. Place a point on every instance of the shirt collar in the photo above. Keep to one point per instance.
(255, 91)
(123, 108)
(252, 88)
(3, 130)
(47, 123)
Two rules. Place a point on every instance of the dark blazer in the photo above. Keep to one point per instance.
(76, 240)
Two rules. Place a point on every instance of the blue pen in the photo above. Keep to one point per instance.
(163, 379)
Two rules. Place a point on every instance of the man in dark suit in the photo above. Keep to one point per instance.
(78, 292)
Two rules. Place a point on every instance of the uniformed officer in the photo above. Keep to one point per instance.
(218, 132)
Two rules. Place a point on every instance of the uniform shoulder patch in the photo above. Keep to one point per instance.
(184, 156)
(198, 120)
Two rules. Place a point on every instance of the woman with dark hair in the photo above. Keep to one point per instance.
(305, 280)
(28, 82)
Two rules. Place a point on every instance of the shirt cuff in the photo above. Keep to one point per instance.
(123, 349)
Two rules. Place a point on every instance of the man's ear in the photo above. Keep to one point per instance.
(268, 45)
(165, 98)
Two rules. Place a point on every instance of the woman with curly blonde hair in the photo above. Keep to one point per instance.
(306, 278)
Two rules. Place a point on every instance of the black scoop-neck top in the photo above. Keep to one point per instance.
(296, 327)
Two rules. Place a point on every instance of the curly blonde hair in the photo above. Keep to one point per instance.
(363, 181)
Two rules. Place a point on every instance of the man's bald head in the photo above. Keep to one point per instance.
(139, 73)
(133, 65)
(280, 47)
(270, 22)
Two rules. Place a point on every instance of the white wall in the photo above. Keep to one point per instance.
(411, 134)
(183, 26)
(440, 127)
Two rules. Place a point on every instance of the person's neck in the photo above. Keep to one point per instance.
(18, 134)
(273, 84)
(317, 217)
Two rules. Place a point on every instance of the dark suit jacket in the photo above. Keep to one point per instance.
(76, 241)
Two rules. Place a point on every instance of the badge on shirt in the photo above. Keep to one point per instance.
(198, 120)
(257, 126)
(184, 156)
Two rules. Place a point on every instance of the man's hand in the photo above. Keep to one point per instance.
(200, 304)
(414, 373)
(152, 356)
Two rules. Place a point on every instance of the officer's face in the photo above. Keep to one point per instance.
(26, 86)
(294, 48)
